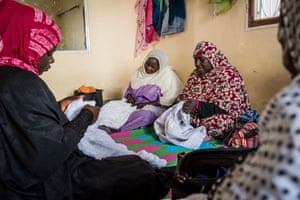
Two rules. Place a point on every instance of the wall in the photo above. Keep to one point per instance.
(111, 61)
(69, 15)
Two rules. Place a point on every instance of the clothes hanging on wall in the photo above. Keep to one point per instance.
(157, 14)
(222, 6)
(173, 17)
(156, 18)
(146, 34)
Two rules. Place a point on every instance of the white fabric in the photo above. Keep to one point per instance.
(115, 113)
(173, 126)
(160, 56)
(166, 79)
(270, 8)
(99, 145)
(75, 107)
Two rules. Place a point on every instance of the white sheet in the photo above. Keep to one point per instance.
(115, 113)
(173, 126)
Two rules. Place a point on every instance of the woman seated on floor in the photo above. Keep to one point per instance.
(272, 172)
(153, 87)
(214, 94)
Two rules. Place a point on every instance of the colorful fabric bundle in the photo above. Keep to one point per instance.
(245, 136)
(249, 116)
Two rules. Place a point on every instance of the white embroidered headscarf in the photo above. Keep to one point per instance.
(165, 78)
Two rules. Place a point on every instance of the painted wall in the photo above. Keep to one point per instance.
(111, 61)
(69, 15)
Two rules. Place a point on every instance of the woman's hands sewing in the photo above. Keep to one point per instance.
(64, 103)
(130, 99)
(189, 106)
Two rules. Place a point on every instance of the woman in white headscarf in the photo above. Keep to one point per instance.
(153, 87)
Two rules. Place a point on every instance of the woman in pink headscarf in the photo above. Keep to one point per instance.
(38, 145)
(214, 94)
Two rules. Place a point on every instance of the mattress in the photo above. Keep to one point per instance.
(146, 139)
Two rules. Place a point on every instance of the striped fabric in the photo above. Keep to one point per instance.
(146, 139)
(246, 136)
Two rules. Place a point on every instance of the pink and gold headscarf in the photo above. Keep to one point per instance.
(26, 34)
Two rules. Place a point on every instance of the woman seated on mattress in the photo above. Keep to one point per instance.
(153, 87)
(214, 94)
(272, 172)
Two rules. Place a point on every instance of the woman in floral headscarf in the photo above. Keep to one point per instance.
(273, 171)
(214, 94)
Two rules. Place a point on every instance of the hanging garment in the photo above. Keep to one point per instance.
(173, 17)
(146, 34)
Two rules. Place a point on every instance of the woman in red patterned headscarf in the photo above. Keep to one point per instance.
(214, 94)
(25, 36)
(38, 145)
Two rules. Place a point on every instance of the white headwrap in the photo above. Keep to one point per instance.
(165, 78)
(160, 56)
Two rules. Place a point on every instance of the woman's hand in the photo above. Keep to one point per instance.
(189, 106)
(94, 109)
(64, 103)
(140, 105)
(180, 98)
(130, 99)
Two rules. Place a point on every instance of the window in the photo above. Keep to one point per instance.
(263, 12)
(70, 16)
